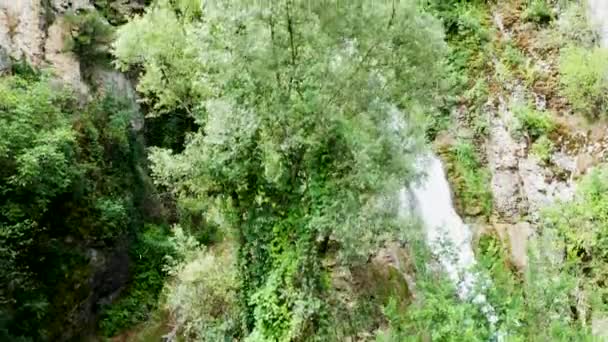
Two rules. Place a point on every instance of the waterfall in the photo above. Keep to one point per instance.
(448, 237)
(446, 233)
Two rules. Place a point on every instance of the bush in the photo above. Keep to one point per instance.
(90, 38)
(538, 11)
(581, 225)
(543, 148)
(201, 298)
(584, 79)
(532, 122)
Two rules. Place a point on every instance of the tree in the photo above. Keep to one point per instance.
(310, 117)
(36, 147)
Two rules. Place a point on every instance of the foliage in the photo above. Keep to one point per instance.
(294, 107)
(531, 122)
(67, 180)
(468, 35)
(535, 306)
(201, 296)
(584, 79)
(512, 55)
(538, 11)
(148, 252)
(118, 11)
(470, 179)
(575, 27)
(582, 226)
(168, 57)
(90, 37)
(438, 313)
(35, 166)
(543, 148)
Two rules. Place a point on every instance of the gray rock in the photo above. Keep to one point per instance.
(21, 32)
(503, 151)
(5, 61)
(564, 161)
(114, 82)
(62, 6)
(505, 189)
(539, 186)
(516, 237)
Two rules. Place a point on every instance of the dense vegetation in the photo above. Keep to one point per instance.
(71, 185)
(260, 200)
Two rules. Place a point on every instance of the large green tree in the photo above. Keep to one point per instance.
(310, 117)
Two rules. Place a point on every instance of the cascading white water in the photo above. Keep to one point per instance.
(446, 233)
(448, 237)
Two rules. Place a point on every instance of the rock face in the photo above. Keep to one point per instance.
(64, 63)
(516, 236)
(22, 29)
(62, 6)
(522, 185)
(503, 154)
(35, 31)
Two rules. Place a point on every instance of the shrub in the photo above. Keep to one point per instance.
(584, 79)
(538, 11)
(90, 38)
(581, 225)
(513, 56)
(542, 148)
(532, 122)
(202, 297)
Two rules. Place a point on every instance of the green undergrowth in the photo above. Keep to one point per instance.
(140, 298)
(581, 224)
(89, 39)
(471, 180)
(468, 33)
(70, 183)
(584, 80)
(532, 123)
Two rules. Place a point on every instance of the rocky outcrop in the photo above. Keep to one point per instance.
(35, 31)
(62, 6)
(22, 29)
(503, 155)
(516, 237)
(64, 63)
